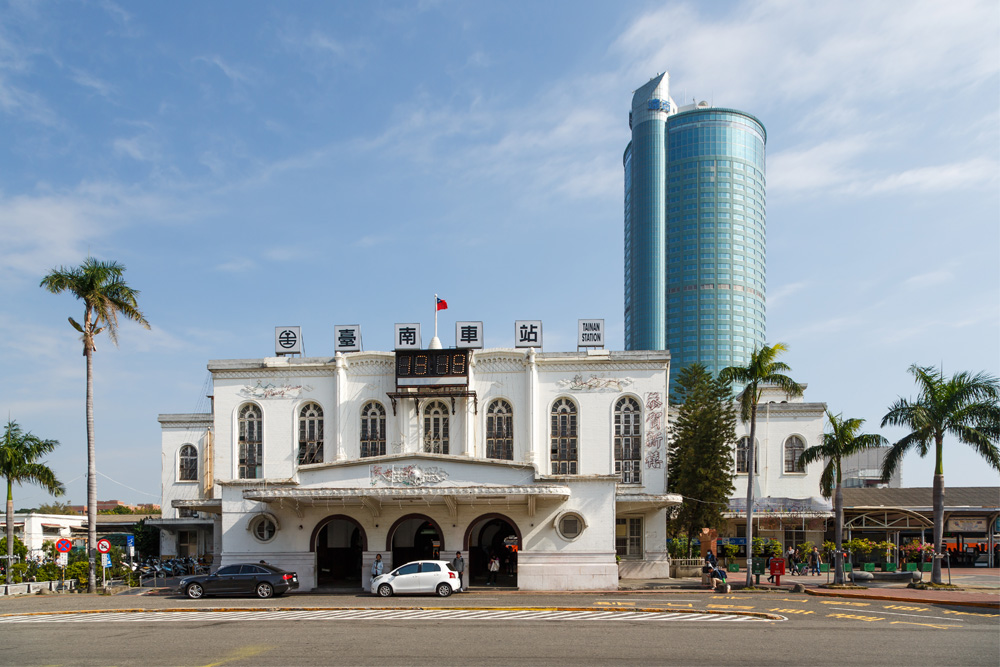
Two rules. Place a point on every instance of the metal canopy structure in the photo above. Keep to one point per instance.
(887, 518)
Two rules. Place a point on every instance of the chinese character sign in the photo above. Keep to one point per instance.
(528, 333)
(287, 340)
(408, 336)
(654, 430)
(469, 334)
(347, 338)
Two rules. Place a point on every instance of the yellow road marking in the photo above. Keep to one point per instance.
(970, 613)
(616, 604)
(856, 617)
(794, 611)
(728, 606)
(677, 604)
(929, 625)
(727, 597)
(905, 608)
(849, 604)
(241, 654)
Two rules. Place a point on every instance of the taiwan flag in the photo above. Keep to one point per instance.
(441, 304)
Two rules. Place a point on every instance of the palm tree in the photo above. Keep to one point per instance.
(964, 406)
(843, 441)
(19, 453)
(763, 370)
(105, 296)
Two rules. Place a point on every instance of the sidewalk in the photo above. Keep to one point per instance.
(981, 588)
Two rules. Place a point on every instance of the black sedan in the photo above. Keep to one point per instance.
(258, 579)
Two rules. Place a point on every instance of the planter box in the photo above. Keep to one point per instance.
(848, 566)
(733, 567)
(911, 567)
(926, 567)
(824, 567)
(869, 567)
(889, 567)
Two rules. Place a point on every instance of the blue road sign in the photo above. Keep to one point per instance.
(131, 540)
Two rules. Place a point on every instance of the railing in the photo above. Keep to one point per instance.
(29, 587)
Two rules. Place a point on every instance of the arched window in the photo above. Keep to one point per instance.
(628, 440)
(372, 429)
(188, 471)
(564, 437)
(794, 447)
(741, 456)
(251, 442)
(500, 431)
(436, 428)
(310, 434)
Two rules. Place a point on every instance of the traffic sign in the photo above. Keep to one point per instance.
(105, 560)
(64, 546)
(131, 544)
(63, 559)
(103, 546)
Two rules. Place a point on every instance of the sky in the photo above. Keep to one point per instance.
(259, 164)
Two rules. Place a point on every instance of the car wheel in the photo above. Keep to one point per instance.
(195, 591)
(385, 590)
(444, 590)
(264, 590)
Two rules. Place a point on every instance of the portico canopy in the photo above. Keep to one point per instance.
(374, 498)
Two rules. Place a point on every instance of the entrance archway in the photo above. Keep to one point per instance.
(338, 542)
(415, 537)
(493, 534)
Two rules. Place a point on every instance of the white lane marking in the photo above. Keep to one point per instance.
(896, 613)
(381, 614)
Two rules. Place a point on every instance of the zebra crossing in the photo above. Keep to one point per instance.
(490, 615)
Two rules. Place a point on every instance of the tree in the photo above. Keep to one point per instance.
(762, 370)
(105, 296)
(842, 441)
(56, 507)
(701, 450)
(964, 406)
(19, 454)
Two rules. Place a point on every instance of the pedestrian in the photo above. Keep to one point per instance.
(814, 561)
(493, 567)
(710, 557)
(377, 566)
(770, 577)
(458, 564)
(719, 581)
(706, 573)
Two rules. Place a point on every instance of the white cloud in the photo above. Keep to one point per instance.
(929, 279)
(974, 174)
(776, 296)
(137, 148)
(92, 82)
(234, 74)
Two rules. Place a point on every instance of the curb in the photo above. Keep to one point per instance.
(987, 604)
(184, 610)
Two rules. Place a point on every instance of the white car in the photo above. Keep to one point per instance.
(420, 576)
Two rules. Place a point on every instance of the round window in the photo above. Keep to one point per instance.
(570, 526)
(264, 529)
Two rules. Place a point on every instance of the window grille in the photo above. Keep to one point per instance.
(188, 471)
(564, 453)
(794, 447)
(310, 434)
(251, 442)
(741, 457)
(372, 429)
(628, 537)
(500, 431)
(436, 428)
(628, 440)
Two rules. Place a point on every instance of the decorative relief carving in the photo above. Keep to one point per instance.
(408, 475)
(594, 383)
(269, 390)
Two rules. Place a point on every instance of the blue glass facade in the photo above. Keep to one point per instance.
(712, 234)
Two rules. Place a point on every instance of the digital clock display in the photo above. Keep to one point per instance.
(416, 368)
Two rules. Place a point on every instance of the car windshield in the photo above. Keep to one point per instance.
(451, 567)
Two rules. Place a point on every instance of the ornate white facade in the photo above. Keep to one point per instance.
(318, 464)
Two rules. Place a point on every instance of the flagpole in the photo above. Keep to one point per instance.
(435, 315)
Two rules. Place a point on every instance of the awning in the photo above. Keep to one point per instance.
(640, 502)
(210, 505)
(173, 525)
(374, 498)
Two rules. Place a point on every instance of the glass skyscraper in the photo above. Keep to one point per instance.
(695, 240)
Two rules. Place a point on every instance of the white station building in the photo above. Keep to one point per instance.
(554, 461)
